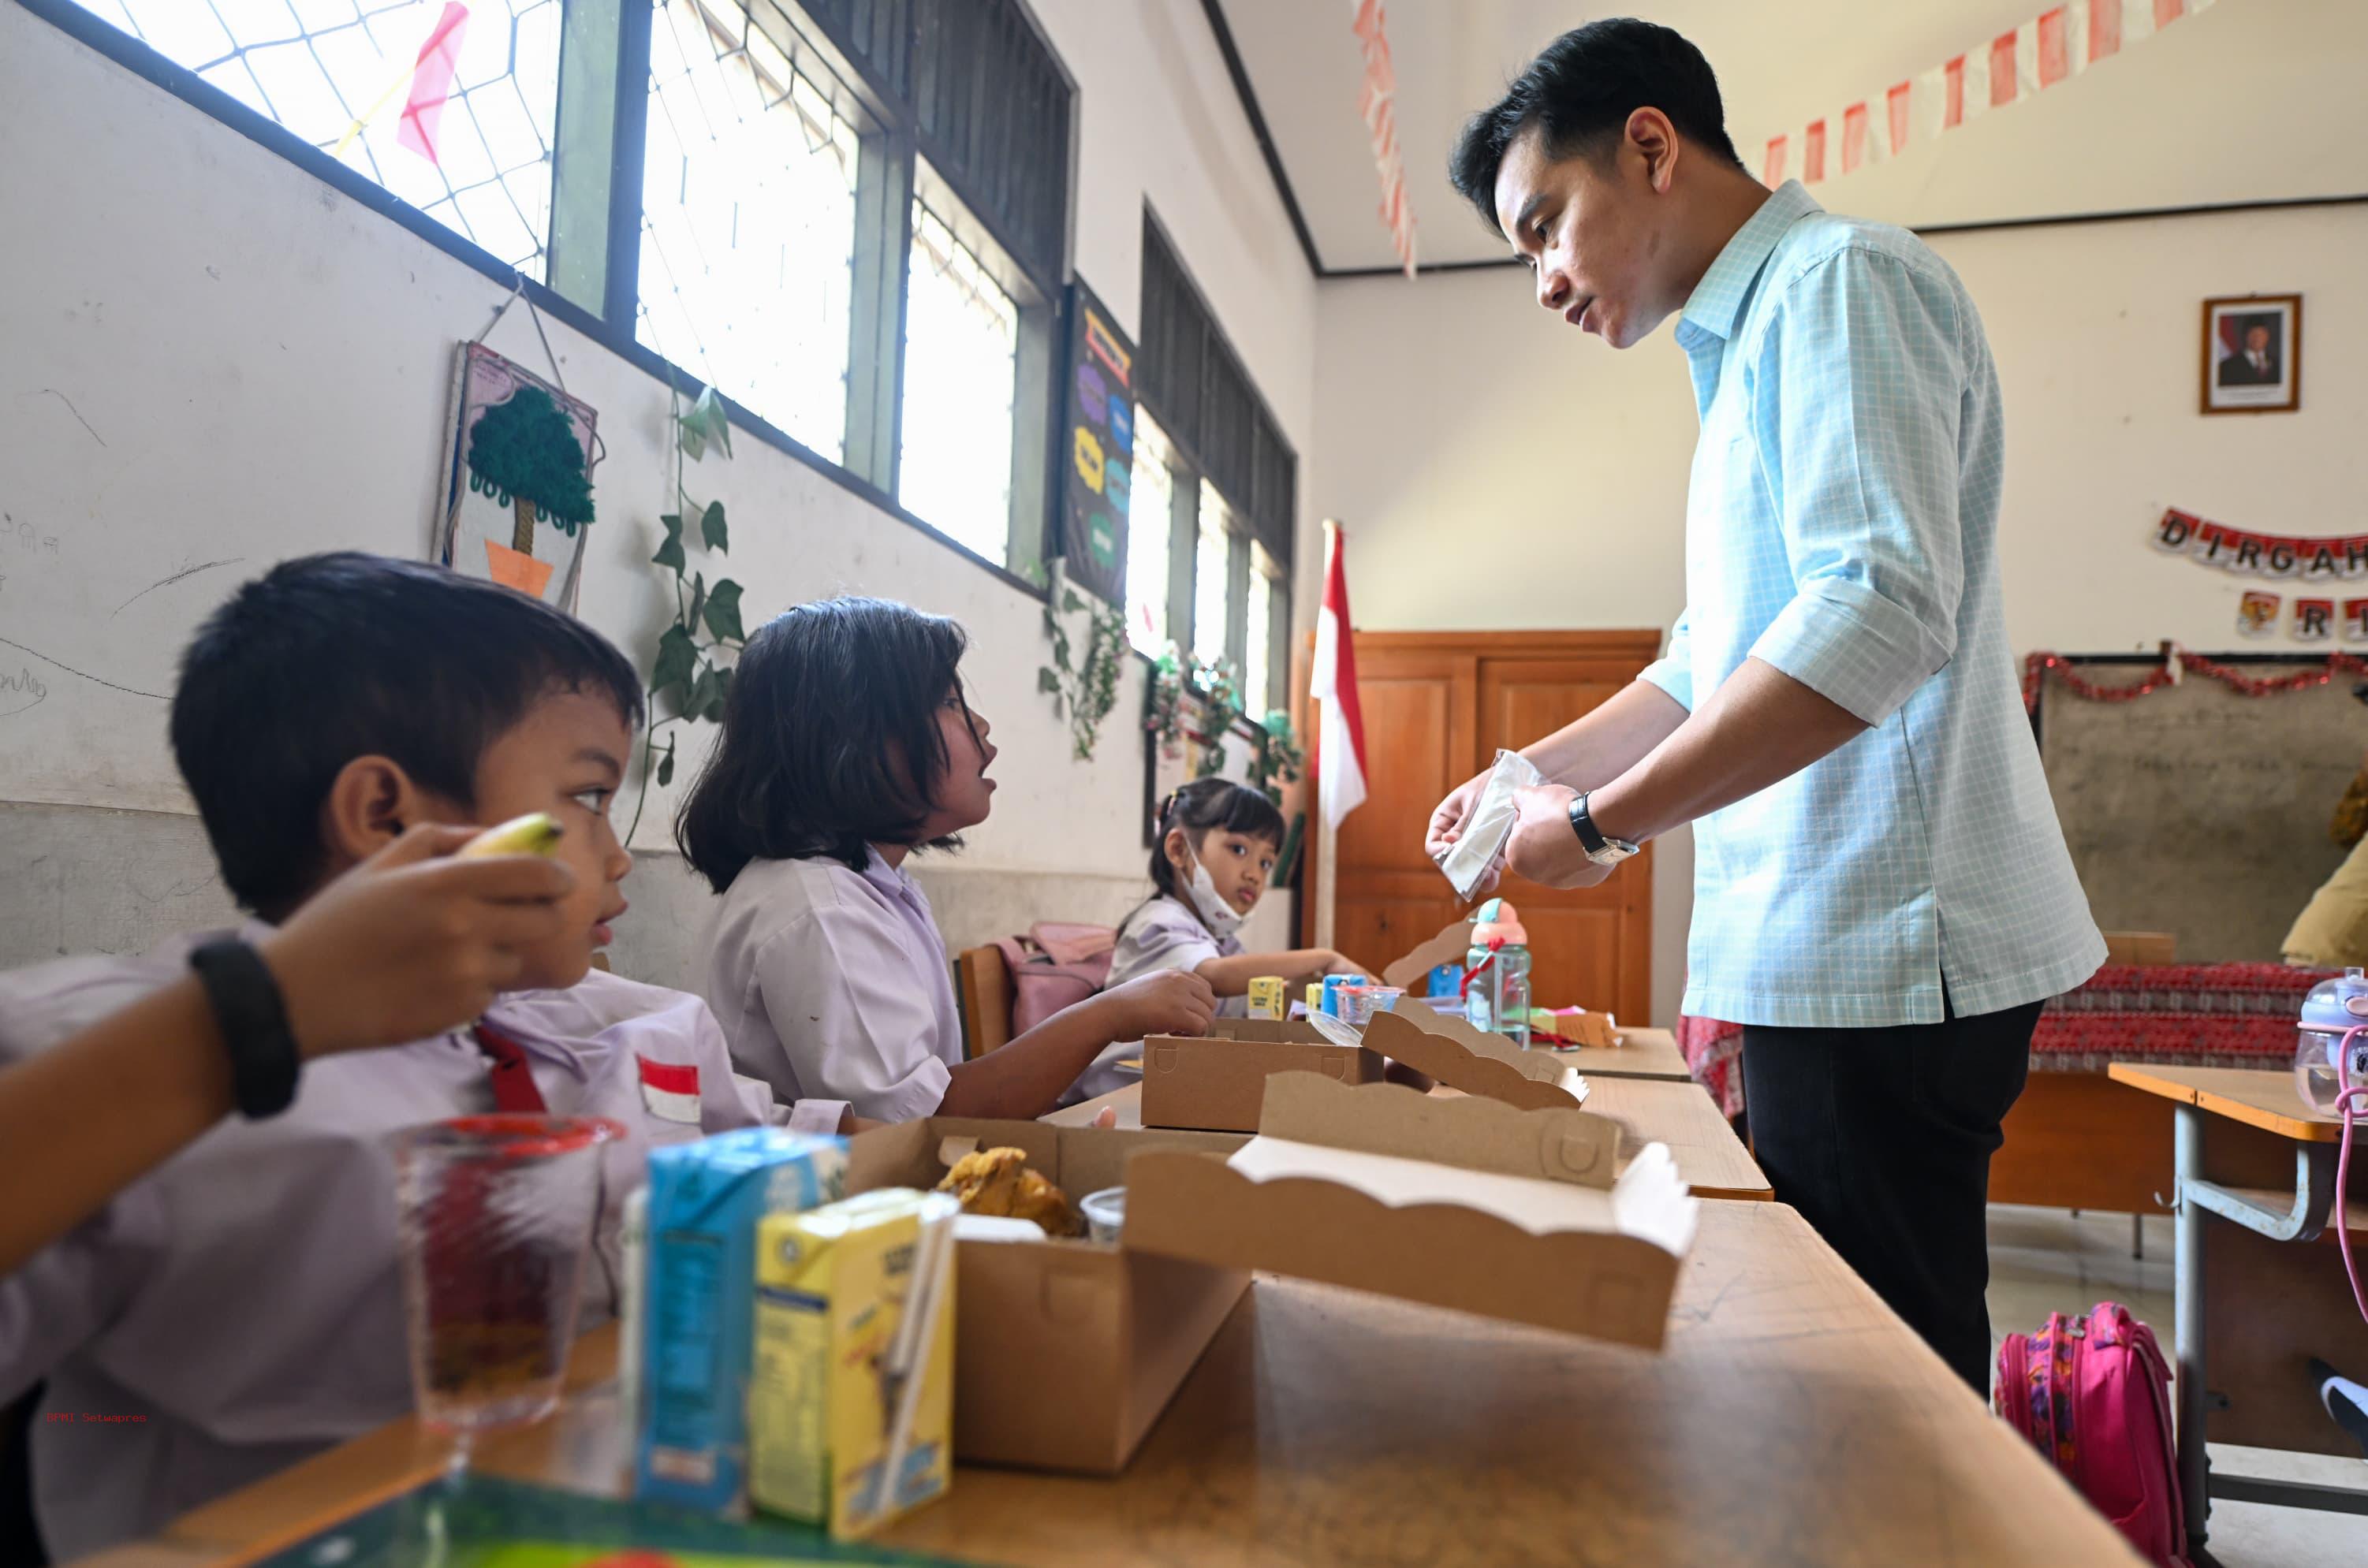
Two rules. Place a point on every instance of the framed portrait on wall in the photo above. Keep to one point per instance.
(2252, 355)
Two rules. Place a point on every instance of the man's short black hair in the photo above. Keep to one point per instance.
(1579, 92)
(327, 658)
(831, 739)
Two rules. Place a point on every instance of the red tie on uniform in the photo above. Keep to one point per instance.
(514, 1089)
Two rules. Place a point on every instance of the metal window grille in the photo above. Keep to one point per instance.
(336, 74)
(960, 374)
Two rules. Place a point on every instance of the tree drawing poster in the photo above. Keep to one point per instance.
(517, 493)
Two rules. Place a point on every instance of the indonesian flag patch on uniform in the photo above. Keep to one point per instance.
(670, 1090)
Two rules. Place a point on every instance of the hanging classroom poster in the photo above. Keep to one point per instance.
(517, 486)
(1099, 443)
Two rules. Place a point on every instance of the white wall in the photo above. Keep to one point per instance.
(212, 356)
(1496, 468)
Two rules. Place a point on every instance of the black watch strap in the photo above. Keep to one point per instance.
(253, 1022)
(1590, 839)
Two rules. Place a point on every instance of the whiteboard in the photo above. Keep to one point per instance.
(2197, 811)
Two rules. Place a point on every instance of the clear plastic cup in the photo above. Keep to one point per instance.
(1360, 1003)
(1105, 1213)
(495, 1215)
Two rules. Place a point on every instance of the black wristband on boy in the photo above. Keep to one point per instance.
(253, 1022)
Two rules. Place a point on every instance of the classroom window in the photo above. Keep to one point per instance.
(962, 339)
(749, 216)
(1150, 519)
(1257, 642)
(338, 77)
(1212, 579)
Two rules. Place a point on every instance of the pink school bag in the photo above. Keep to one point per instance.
(1054, 966)
(2095, 1398)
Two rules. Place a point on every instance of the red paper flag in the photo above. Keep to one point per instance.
(2167, 12)
(1853, 137)
(2055, 48)
(1813, 152)
(1952, 97)
(1773, 169)
(1896, 100)
(431, 81)
(2002, 83)
(1340, 753)
(2104, 28)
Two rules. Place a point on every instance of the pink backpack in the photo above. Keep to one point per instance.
(1054, 966)
(2095, 1399)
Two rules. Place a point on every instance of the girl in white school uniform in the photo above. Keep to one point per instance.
(1218, 844)
(847, 748)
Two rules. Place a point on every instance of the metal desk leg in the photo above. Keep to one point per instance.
(2187, 1274)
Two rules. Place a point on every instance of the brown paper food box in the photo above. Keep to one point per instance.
(1465, 1203)
(1216, 1082)
(1475, 1061)
(1064, 1352)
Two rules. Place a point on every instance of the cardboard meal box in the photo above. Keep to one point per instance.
(1454, 941)
(1463, 1203)
(1217, 1082)
(1064, 1352)
(1478, 1061)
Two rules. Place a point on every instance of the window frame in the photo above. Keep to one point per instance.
(598, 167)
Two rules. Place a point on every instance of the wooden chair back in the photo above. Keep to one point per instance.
(2150, 948)
(983, 986)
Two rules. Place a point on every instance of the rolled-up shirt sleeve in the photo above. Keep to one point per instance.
(853, 1019)
(1868, 503)
(1673, 672)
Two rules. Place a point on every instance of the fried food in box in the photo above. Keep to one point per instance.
(998, 1181)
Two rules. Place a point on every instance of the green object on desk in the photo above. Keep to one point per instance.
(480, 1522)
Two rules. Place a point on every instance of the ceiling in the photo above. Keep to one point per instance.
(2125, 136)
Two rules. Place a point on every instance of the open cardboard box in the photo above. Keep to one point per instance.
(1217, 1082)
(1463, 1203)
(1475, 1061)
(1064, 1352)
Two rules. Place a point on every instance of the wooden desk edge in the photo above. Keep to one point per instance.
(2147, 1076)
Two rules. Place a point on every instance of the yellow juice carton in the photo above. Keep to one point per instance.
(850, 1400)
(1265, 998)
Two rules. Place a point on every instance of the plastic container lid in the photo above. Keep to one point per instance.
(2339, 1001)
(1495, 922)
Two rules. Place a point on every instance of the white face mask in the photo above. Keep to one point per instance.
(1214, 912)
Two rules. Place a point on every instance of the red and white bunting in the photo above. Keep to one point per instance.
(1377, 104)
(2330, 559)
(2045, 52)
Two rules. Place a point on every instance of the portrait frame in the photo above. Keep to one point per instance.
(2242, 373)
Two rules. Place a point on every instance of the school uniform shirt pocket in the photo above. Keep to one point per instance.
(670, 1090)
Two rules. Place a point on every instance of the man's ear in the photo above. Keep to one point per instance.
(1648, 130)
(371, 802)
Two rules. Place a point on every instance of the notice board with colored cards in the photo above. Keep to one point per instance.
(1096, 482)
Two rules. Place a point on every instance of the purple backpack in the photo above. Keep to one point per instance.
(2095, 1398)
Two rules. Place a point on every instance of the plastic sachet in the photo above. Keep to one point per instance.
(1490, 824)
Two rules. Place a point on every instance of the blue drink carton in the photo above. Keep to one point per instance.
(697, 1300)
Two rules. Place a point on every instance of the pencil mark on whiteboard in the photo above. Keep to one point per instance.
(52, 391)
(19, 691)
(95, 680)
(168, 582)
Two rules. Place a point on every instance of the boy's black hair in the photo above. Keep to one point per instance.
(326, 658)
(1579, 92)
(830, 739)
(1205, 806)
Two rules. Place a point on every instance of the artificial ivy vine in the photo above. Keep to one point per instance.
(686, 682)
(1083, 690)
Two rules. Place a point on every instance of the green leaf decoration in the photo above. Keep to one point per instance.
(665, 769)
(1047, 679)
(706, 425)
(723, 613)
(670, 555)
(673, 522)
(677, 657)
(722, 690)
(711, 526)
(1070, 603)
(703, 691)
(698, 598)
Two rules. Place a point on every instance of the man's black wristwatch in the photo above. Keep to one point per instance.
(1602, 850)
(253, 1018)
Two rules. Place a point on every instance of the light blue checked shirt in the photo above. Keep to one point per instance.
(1841, 524)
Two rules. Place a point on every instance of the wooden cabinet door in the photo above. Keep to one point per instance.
(1590, 946)
(1418, 707)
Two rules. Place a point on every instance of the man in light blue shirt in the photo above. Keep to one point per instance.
(1882, 893)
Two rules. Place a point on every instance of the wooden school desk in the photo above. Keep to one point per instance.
(1641, 1054)
(1709, 1155)
(1791, 1420)
(2272, 1293)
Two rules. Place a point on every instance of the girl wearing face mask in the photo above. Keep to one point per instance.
(1218, 844)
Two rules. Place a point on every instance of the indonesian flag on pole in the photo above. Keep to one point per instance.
(1340, 748)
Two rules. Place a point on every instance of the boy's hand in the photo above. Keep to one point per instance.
(1334, 963)
(1173, 1001)
(411, 941)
